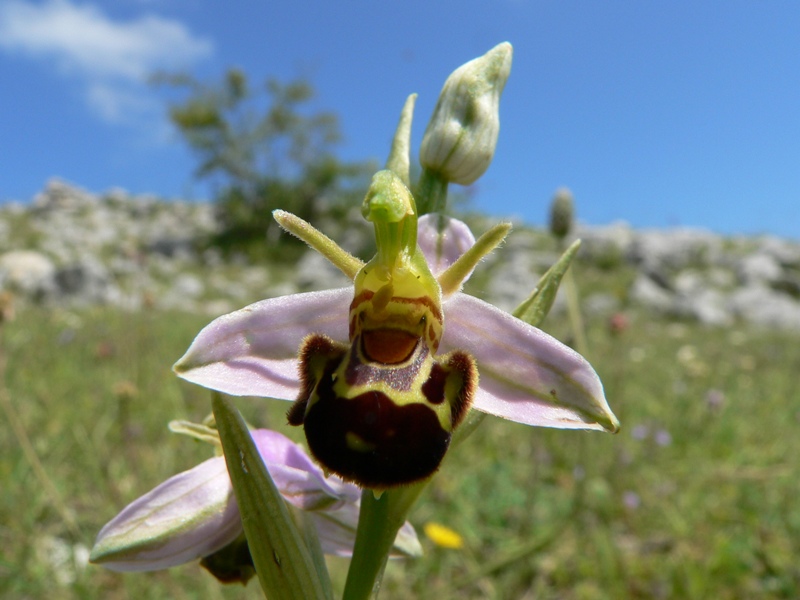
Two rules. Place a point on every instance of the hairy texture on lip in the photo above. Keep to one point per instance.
(375, 424)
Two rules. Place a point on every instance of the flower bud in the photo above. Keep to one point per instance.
(461, 136)
(562, 213)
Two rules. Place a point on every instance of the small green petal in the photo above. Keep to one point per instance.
(452, 279)
(338, 257)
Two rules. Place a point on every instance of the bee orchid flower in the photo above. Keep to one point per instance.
(383, 371)
(194, 514)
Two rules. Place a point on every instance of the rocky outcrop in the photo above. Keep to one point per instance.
(72, 248)
(695, 274)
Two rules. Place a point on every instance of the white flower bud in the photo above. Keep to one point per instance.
(461, 136)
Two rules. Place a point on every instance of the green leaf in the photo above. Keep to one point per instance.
(284, 565)
(305, 524)
(534, 310)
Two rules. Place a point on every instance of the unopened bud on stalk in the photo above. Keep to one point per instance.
(562, 213)
(462, 134)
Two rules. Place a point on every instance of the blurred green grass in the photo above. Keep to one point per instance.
(693, 499)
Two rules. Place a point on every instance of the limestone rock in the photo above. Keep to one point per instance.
(28, 272)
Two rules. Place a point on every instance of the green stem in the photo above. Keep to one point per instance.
(431, 193)
(374, 538)
(379, 521)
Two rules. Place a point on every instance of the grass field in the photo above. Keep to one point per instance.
(697, 497)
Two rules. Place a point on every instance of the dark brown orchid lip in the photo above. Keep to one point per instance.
(381, 424)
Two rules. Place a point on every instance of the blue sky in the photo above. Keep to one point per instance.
(660, 113)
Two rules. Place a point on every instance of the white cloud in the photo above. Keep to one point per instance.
(117, 103)
(111, 58)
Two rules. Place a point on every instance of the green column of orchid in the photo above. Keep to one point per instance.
(391, 209)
